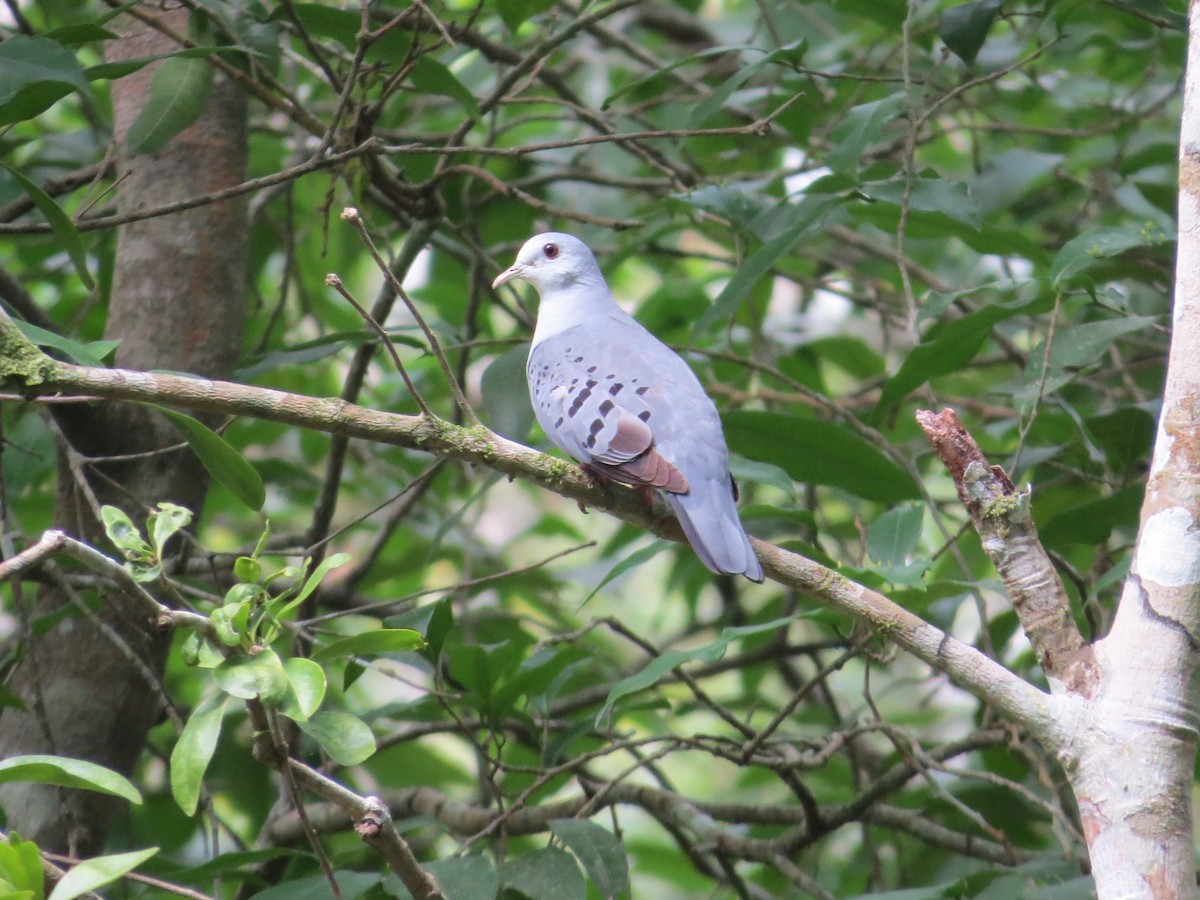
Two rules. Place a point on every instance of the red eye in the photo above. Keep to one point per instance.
(551, 250)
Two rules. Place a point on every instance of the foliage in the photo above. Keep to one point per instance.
(842, 211)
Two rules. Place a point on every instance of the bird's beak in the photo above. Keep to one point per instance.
(516, 270)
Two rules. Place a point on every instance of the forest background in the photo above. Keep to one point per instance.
(284, 618)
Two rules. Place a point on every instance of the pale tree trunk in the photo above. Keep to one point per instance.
(1121, 716)
(89, 685)
(1133, 770)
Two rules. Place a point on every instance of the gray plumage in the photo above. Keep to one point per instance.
(610, 394)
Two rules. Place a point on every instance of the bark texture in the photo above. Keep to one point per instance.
(1134, 779)
(89, 683)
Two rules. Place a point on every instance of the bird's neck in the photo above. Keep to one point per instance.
(576, 304)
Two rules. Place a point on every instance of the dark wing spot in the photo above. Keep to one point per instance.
(558, 424)
(605, 408)
(641, 392)
(644, 415)
(737, 495)
(579, 359)
(616, 388)
(594, 429)
(591, 384)
(591, 370)
(578, 402)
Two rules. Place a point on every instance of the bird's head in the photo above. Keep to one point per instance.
(552, 261)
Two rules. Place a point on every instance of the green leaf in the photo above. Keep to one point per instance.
(92, 353)
(1008, 176)
(1079, 346)
(247, 676)
(1092, 522)
(441, 621)
(372, 643)
(1126, 434)
(759, 263)
(95, 873)
(910, 574)
(224, 463)
(744, 470)
(109, 71)
(466, 877)
(516, 13)
(894, 535)
(813, 451)
(964, 28)
(346, 738)
(460, 878)
(638, 83)
(178, 95)
(946, 348)
(123, 533)
(342, 25)
(1171, 16)
(21, 869)
(792, 54)
(35, 73)
(859, 128)
(934, 195)
(533, 677)
(247, 569)
(308, 687)
(431, 77)
(665, 662)
(1082, 252)
(65, 772)
(194, 750)
(549, 874)
(506, 395)
(736, 203)
(632, 561)
(82, 33)
(314, 580)
(62, 226)
(602, 855)
(165, 522)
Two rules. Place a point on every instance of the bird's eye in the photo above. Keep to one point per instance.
(551, 250)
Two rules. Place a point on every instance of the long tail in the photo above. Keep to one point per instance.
(710, 521)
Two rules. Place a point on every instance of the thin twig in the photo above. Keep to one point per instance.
(350, 214)
(369, 146)
(335, 282)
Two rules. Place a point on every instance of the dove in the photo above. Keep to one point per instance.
(614, 397)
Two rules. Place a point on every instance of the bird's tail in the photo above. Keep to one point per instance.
(710, 521)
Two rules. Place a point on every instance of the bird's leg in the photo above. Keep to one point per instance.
(597, 479)
(646, 492)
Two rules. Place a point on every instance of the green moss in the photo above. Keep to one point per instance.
(21, 362)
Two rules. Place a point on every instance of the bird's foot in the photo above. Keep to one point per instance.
(596, 479)
(647, 493)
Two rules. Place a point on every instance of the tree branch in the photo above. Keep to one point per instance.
(1001, 516)
(969, 668)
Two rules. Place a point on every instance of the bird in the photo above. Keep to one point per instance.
(611, 395)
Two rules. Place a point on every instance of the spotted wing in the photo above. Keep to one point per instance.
(597, 414)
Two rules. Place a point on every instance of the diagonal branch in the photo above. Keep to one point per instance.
(1000, 513)
(22, 365)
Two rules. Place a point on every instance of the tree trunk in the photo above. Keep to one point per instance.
(1131, 752)
(90, 683)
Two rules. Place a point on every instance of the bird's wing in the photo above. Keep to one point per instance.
(592, 404)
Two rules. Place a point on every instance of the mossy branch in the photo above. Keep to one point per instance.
(20, 359)
(35, 374)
